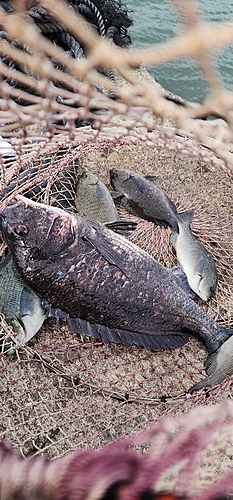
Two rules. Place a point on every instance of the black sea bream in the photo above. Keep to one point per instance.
(88, 271)
(143, 198)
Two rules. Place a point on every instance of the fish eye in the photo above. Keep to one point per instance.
(113, 174)
(21, 230)
(211, 289)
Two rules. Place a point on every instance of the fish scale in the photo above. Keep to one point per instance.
(20, 304)
(93, 199)
(83, 269)
(143, 198)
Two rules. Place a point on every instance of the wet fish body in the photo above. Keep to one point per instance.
(93, 199)
(20, 305)
(89, 272)
(143, 198)
(194, 260)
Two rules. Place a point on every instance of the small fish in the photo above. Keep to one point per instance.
(93, 199)
(218, 366)
(143, 198)
(117, 290)
(20, 305)
(194, 260)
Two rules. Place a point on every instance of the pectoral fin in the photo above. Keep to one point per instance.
(199, 267)
(173, 238)
(103, 247)
(26, 302)
(151, 177)
(182, 281)
(116, 196)
(53, 312)
(139, 183)
(121, 225)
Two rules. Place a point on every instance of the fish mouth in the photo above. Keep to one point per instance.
(16, 202)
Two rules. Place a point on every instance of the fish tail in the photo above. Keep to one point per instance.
(185, 218)
(223, 334)
(173, 223)
(210, 364)
(206, 382)
(219, 335)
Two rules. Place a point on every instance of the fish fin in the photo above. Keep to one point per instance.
(186, 218)
(83, 328)
(199, 266)
(211, 363)
(224, 333)
(182, 281)
(173, 238)
(139, 182)
(118, 336)
(121, 225)
(151, 177)
(102, 246)
(116, 196)
(53, 312)
(100, 191)
(206, 382)
(26, 302)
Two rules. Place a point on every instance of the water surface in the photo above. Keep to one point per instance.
(156, 21)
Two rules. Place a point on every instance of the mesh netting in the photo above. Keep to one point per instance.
(84, 103)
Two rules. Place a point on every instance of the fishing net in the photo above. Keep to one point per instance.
(74, 98)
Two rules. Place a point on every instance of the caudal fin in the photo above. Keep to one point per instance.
(185, 218)
(224, 333)
(201, 385)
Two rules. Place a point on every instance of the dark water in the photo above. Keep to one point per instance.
(155, 21)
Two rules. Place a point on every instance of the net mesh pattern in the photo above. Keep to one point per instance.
(58, 393)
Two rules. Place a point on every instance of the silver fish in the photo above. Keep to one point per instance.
(218, 366)
(143, 198)
(194, 260)
(116, 289)
(20, 305)
(93, 199)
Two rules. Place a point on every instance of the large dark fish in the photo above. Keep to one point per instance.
(91, 273)
(143, 198)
